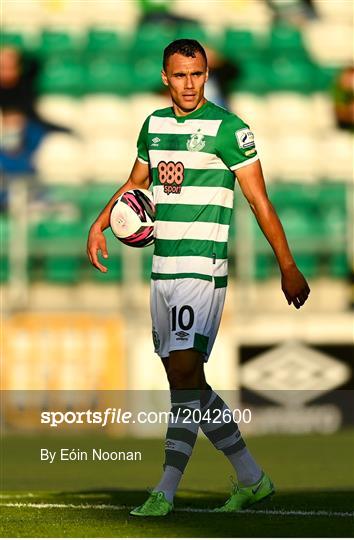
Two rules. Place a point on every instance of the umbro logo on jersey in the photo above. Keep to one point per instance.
(155, 141)
(182, 336)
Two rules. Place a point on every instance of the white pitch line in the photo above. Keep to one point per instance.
(280, 512)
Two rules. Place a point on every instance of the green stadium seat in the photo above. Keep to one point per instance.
(151, 39)
(57, 238)
(106, 75)
(286, 38)
(339, 266)
(147, 74)
(297, 223)
(4, 269)
(254, 78)
(65, 194)
(95, 197)
(61, 77)
(263, 267)
(13, 39)
(105, 41)
(192, 31)
(60, 229)
(147, 263)
(115, 270)
(241, 45)
(57, 43)
(334, 222)
(62, 269)
(308, 264)
(332, 195)
(4, 246)
(4, 233)
(288, 75)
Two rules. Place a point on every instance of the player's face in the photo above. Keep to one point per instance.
(185, 77)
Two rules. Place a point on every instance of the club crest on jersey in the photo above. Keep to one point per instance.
(244, 137)
(196, 142)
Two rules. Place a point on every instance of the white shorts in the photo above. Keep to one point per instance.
(185, 314)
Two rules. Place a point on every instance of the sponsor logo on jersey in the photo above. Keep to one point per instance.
(244, 137)
(182, 335)
(155, 141)
(171, 176)
(196, 142)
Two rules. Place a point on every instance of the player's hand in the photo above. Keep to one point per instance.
(97, 242)
(294, 286)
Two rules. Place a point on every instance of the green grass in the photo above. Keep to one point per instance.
(311, 472)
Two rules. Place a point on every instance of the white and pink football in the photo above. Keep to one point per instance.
(132, 218)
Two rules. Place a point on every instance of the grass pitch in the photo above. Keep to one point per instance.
(313, 474)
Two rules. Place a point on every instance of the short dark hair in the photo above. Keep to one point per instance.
(186, 47)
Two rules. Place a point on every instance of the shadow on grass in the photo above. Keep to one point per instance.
(111, 522)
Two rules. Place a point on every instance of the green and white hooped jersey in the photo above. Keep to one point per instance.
(192, 160)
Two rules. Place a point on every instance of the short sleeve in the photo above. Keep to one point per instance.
(142, 144)
(235, 143)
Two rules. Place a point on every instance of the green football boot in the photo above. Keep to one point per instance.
(155, 505)
(245, 496)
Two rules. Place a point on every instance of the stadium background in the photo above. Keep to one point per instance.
(67, 327)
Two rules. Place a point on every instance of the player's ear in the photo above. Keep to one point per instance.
(207, 74)
(164, 77)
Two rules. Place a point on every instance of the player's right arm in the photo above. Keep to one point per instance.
(139, 179)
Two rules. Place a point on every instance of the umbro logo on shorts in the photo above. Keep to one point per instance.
(182, 336)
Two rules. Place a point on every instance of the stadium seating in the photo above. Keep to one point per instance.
(101, 41)
(109, 158)
(105, 115)
(60, 159)
(60, 110)
(56, 43)
(337, 37)
(105, 75)
(100, 78)
(62, 76)
(4, 244)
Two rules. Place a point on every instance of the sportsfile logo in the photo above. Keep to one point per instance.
(171, 176)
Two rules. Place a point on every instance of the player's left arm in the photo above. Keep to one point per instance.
(251, 180)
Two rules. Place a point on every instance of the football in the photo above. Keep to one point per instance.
(132, 218)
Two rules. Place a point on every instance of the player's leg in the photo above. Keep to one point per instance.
(253, 484)
(175, 310)
(185, 372)
(225, 435)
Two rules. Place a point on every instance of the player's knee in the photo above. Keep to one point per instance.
(185, 370)
(182, 377)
